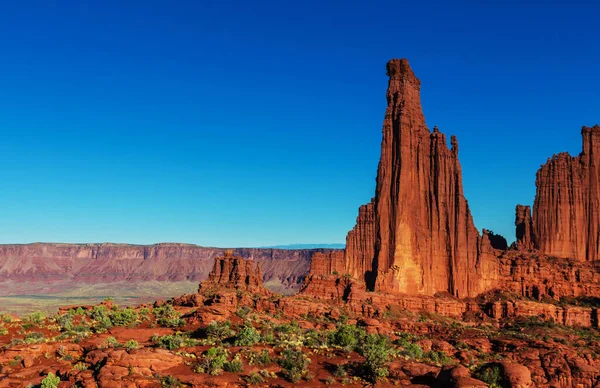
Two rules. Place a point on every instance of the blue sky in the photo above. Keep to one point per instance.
(236, 123)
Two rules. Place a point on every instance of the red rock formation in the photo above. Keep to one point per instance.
(330, 263)
(566, 212)
(524, 233)
(360, 243)
(422, 239)
(234, 272)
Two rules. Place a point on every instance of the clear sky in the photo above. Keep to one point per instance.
(248, 123)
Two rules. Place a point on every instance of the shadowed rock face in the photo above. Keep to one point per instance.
(417, 234)
(524, 224)
(566, 212)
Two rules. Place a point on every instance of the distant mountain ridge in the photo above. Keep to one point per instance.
(306, 246)
(46, 268)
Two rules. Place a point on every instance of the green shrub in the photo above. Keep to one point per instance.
(171, 342)
(3, 331)
(212, 361)
(36, 318)
(294, 364)
(170, 382)
(235, 366)
(347, 336)
(219, 331)
(315, 338)
(377, 352)
(490, 374)
(340, 371)
(65, 321)
(124, 317)
(287, 328)
(243, 312)
(438, 357)
(101, 315)
(111, 342)
(247, 336)
(34, 337)
(254, 379)
(131, 345)
(80, 366)
(167, 316)
(50, 381)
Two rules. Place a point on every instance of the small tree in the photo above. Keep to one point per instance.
(377, 351)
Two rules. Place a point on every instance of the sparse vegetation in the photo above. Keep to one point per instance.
(294, 364)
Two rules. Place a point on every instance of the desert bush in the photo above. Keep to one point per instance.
(131, 345)
(247, 336)
(101, 315)
(340, 371)
(490, 374)
(377, 353)
(170, 382)
(34, 337)
(438, 357)
(80, 366)
(243, 311)
(124, 317)
(254, 379)
(212, 361)
(287, 328)
(235, 366)
(167, 316)
(315, 338)
(36, 318)
(294, 364)
(50, 381)
(3, 331)
(111, 342)
(65, 321)
(171, 341)
(347, 336)
(219, 331)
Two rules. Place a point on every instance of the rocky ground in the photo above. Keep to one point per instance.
(227, 337)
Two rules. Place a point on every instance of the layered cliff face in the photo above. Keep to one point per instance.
(525, 239)
(422, 239)
(566, 211)
(234, 272)
(66, 266)
(360, 245)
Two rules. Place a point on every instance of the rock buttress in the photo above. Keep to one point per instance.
(566, 211)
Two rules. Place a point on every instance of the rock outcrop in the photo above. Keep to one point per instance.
(566, 212)
(417, 236)
(234, 272)
(524, 232)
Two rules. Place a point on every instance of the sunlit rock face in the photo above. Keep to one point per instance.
(417, 236)
(566, 212)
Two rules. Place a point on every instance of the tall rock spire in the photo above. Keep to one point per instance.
(425, 239)
(566, 211)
